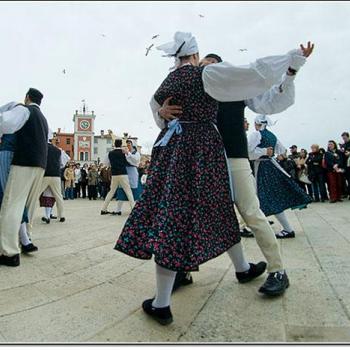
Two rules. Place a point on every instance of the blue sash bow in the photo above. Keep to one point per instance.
(173, 126)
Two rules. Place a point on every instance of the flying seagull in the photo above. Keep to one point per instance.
(104, 35)
(64, 71)
(201, 16)
(148, 49)
(243, 50)
(155, 36)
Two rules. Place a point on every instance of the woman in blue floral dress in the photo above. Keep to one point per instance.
(277, 191)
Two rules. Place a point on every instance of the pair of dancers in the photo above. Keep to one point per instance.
(186, 216)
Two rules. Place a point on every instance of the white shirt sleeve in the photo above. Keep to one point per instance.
(279, 148)
(106, 160)
(225, 82)
(8, 106)
(155, 106)
(255, 152)
(276, 100)
(13, 120)
(133, 159)
(64, 158)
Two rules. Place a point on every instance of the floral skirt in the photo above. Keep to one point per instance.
(278, 192)
(185, 215)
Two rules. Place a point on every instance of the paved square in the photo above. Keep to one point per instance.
(76, 288)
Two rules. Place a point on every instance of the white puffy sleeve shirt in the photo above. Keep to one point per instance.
(263, 85)
(133, 158)
(12, 118)
(256, 152)
(226, 83)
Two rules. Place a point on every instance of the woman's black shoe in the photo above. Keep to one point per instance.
(182, 279)
(104, 212)
(53, 217)
(285, 234)
(62, 219)
(12, 261)
(275, 284)
(162, 314)
(246, 233)
(116, 213)
(29, 248)
(45, 220)
(255, 271)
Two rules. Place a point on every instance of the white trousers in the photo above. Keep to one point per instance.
(55, 186)
(248, 206)
(123, 182)
(22, 190)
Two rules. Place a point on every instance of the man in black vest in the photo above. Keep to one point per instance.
(27, 171)
(118, 163)
(56, 159)
(231, 125)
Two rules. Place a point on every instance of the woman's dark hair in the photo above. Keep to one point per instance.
(334, 143)
(118, 143)
(303, 150)
(322, 150)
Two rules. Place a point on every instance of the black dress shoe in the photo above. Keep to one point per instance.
(246, 233)
(275, 284)
(29, 248)
(116, 213)
(10, 260)
(162, 315)
(62, 219)
(45, 220)
(182, 279)
(255, 271)
(104, 212)
(53, 217)
(285, 234)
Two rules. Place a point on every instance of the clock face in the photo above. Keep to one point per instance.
(85, 124)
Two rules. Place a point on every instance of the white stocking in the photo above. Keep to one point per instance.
(48, 212)
(282, 218)
(237, 256)
(23, 236)
(165, 280)
(119, 206)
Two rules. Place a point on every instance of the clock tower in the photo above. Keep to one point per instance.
(84, 134)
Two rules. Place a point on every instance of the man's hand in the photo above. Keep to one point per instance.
(269, 151)
(307, 51)
(169, 112)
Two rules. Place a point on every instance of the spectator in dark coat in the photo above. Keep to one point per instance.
(345, 149)
(316, 174)
(334, 163)
(288, 165)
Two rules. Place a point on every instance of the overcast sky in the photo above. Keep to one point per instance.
(111, 72)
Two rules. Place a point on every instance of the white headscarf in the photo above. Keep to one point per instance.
(264, 120)
(184, 44)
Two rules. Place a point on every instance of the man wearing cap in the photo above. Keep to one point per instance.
(26, 173)
(294, 154)
(231, 125)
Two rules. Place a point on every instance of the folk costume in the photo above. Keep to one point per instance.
(277, 191)
(26, 173)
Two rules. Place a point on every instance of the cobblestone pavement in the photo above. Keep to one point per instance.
(76, 288)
